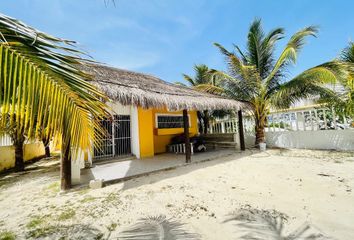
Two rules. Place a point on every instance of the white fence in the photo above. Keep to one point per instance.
(312, 128)
(5, 140)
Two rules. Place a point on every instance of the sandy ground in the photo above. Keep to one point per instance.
(315, 187)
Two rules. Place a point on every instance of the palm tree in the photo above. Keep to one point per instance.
(256, 77)
(344, 101)
(17, 137)
(202, 76)
(43, 90)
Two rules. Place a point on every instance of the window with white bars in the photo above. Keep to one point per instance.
(170, 121)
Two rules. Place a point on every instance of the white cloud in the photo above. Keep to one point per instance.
(131, 59)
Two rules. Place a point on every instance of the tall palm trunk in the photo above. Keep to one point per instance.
(201, 122)
(19, 162)
(18, 140)
(260, 123)
(206, 121)
(46, 146)
(260, 136)
(65, 166)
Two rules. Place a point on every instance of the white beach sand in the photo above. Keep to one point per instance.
(308, 186)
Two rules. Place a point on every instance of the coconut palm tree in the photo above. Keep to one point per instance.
(43, 90)
(18, 139)
(257, 77)
(202, 76)
(343, 101)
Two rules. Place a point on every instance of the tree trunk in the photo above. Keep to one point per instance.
(260, 137)
(259, 128)
(47, 151)
(19, 162)
(201, 122)
(186, 136)
(240, 131)
(65, 166)
(46, 147)
(206, 121)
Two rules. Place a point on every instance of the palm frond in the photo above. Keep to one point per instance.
(181, 84)
(236, 88)
(209, 88)
(158, 227)
(42, 85)
(202, 75)
(290, 52)
(312, 82)
(347, 54)
(254, 42)
(236, 68)
(343, 100)
(267, 51)
(189, 79)
(242, 54)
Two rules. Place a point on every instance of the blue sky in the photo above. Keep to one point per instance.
(167, 37)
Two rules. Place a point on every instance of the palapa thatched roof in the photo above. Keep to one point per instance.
(132, 88)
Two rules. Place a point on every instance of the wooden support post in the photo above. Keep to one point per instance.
(65, 166)
(186, 135)
(240, 131)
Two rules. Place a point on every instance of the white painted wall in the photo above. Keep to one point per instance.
(117, 108)
(77, 163)
(326, 139)
(134, 128)
(331, 139)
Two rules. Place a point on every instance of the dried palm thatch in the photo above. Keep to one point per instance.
(132, 88)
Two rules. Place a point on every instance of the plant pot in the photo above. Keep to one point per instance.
(262, 146)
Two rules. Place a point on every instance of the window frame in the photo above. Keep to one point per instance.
(170, 115)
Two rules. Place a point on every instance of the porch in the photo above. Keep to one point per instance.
(117, 170)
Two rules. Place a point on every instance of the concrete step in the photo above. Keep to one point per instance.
(220, 143)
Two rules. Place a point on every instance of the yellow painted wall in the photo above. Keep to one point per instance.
(31, 151)
(153, 140)
(162, 137)
(146, 138)
(7, 157)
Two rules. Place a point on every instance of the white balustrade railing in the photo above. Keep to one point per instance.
(306, 119)
(5, 140)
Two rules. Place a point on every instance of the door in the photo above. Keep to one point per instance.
(122, 138)
(116, 140)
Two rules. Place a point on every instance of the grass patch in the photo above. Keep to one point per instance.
(39, 227)
(67, 214)
(112, 199)
(35, 222)
(112, 227)
(41, 232)
(7, 235)
(87, 199)
(53, 187)
(83, 191)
